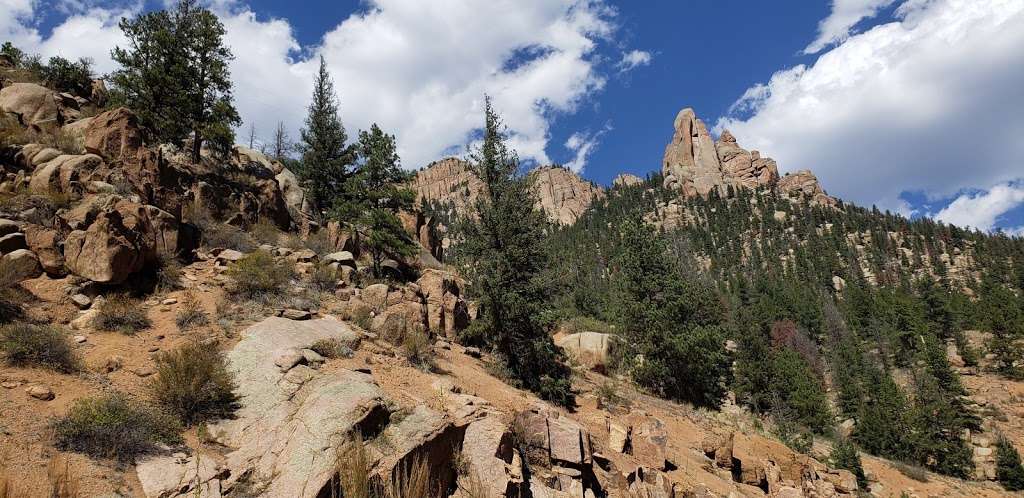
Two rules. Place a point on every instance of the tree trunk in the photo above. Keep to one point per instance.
(197, 147)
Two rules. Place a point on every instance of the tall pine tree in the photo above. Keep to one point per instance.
(503, 254)
(326, 159)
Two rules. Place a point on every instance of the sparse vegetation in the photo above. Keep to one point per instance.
(190, 312)
(416, 347)
(332, 348)
(259, 277)
(844, 456)
(114, 426)
(323, 278)
(912, 471)
(193, 383)
(45, 346)
(353, 478)
(608, 395)
(168, 274)
(121, 313)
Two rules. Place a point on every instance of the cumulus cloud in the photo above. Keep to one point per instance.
(928, 102)
(633, 59)
(845, 15)
(981, 210)
(419, 69)
(582, 144)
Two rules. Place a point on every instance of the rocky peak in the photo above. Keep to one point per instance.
(695, 164)
(627, 180)
(562, 194)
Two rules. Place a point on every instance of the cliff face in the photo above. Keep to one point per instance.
(695, 164)
(562, 194)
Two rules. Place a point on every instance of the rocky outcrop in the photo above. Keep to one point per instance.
(562, 194)
(627, 180)
(590, 349)
(695, 164)
(804, 185)
(35, 106)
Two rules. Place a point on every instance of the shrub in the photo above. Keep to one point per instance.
(323, 278)
(844, 456)
(66, 76)
(168, 274)
(332, 348)
(608, 395)
(193, 382)
(912, 471)
(265, 232)
(120, 313)
(1008, 467)
(190, 313)
(113, 426)
(416, 348)
(258, 276)
(38, 345)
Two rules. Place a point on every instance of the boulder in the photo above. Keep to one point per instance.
(447, 311)
(168, 476)
(8, 227)
(12, 242)
(341, 258)
(591, 349)
(286, 430)
(63, 172)
(107, 252)
(375, 296)
(291, 189)
(23, 264)
(34, 105)
(493, 459)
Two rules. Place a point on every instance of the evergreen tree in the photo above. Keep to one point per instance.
(503, 253)
(845, 456)
(937, 422)
(1008, 467)
(673, 339)
(372, 197)
(174, 74)
(326, 159)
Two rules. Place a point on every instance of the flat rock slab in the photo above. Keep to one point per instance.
(288, 426)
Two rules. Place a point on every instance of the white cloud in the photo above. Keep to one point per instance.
(845, 15)
(419, 69)
(929, 102)
(633, 59)
(582, 144)
(981, 210)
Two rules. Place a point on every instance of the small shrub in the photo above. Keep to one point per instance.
(912, 471)
(323, 278)
(38, 345)
(258, 276)
(266, 233)
(190, 313)
(608, 395)
(120, 313)
(193, 382)
(1008, 467)
(318, 242)
(113, 426)
(168, 274)
(416, 348)
(332, 348)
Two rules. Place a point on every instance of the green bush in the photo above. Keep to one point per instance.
(193, 382)
(258, 276)
(68, 76)
(113, 426)
(38, 345)
(120, 313)
(1008, 467)
(844, 456)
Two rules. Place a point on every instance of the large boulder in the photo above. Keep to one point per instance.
(447, 311)
(21, 265)
(47, 244)
(34, 105)
(290, 422)
(63, 173)
(107, 252)
(590, 349)
(494, 462)
(294, 195)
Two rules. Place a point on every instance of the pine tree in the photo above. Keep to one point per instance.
(673, 338)
(326, 159)
(1008, 467)
(175, 76)
(845, 456)
(373, 196)
(503, 254)
(937, 422)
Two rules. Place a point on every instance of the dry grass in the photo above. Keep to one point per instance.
(168, 275)
(912, 471)
(416, 348)
(121, 313)
(411, 481)
(190, 313)
(354, 476)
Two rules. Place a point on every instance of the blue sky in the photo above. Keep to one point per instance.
(913, 105)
